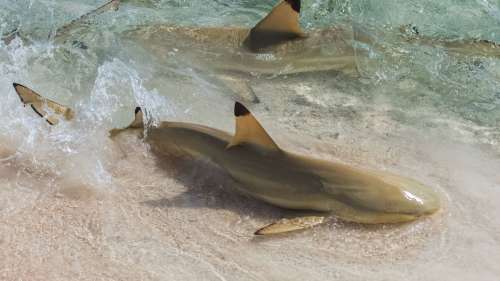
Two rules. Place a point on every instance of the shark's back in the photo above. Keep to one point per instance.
(276, 45)
(186, 36)
(223, 49)
(191, 139)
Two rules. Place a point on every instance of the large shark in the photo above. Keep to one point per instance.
(234, 56)
(276, 45)
(261, 169)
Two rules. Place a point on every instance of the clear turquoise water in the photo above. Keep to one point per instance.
(78, 206)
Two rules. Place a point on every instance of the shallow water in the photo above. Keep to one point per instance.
(75, 205)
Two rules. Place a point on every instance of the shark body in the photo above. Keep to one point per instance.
(261, 169)
(233, 55)
(275, 46)
(225, 50)
(264, 171)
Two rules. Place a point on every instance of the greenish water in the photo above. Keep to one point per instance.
(76, 206)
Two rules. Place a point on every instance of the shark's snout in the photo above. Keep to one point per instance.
(388, 198)
(416, 199)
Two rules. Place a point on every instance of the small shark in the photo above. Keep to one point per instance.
(261, 169)
(277, 45)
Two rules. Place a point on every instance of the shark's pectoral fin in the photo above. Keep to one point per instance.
(40, 105)
(138, 123)
(280, 25)
(288, 225)
(249, 130)
(241, 87)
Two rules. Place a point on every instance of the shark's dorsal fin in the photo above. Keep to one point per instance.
(39, 104)
(249, 130)
(281, 24)
(138, 123)
(138, 119)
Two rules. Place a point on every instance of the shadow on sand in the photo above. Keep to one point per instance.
(209, 186)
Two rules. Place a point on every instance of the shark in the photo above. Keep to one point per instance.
(235, 57)
(232, 57)
(266, 172)
(277, 45)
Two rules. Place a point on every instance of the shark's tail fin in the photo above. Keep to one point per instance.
(138, 123)
(47, 109)
(280, 25)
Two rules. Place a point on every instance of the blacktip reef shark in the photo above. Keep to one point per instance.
(234, 55)
(275, 46)
(261, 169)
(51, 111)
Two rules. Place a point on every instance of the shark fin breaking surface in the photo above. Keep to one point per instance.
(280, 25)
(249, 131)
(138, 119)
(138, 123)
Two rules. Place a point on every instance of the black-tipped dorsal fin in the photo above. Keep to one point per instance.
(281, 24)
(138, 119)
(249, 130)
(138, 123)
(39, 104)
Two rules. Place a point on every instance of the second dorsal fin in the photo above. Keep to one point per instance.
(281, 24)
(249, 130)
